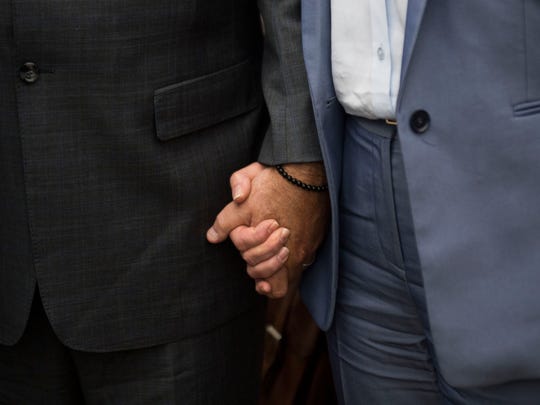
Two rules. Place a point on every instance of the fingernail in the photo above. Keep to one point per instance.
(284, 235)
(237, 192)
(212, 235)
(283, 254)
(272, 227)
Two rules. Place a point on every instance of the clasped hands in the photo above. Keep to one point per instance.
(276, 226)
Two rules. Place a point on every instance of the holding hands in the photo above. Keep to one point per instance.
(277, 226)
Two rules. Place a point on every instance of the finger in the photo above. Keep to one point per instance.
(275, 286)
(245, 238)
(230, 217)
(240, 181)
(269, 267)
(263, 287)
(268, 248)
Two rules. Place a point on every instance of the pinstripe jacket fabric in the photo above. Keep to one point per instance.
(120, 123)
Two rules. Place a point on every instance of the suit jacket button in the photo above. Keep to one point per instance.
(29, 72)
(419, 121)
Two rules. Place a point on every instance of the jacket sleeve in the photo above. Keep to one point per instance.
(291, 136)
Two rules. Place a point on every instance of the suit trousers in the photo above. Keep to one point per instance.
(220, 366)
(379, 343)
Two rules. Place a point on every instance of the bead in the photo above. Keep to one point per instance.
(299, 183)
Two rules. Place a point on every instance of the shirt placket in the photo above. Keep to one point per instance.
(381, 68)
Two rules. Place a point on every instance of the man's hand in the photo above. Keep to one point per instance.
(262, 200)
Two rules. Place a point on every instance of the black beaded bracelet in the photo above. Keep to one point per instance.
(298, 183)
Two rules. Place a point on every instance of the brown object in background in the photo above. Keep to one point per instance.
(296, 369)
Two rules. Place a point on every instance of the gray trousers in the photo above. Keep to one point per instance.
(220, 366)
(380, 346)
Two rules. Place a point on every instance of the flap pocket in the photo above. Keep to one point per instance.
(527, 108)
(207, 100)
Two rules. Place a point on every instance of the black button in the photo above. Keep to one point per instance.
(419, 121)
(29, 72)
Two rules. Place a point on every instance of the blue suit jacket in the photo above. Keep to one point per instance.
(473, 178)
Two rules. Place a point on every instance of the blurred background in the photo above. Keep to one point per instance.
(296, 369)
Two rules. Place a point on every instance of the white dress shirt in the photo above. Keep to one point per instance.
(367, 48)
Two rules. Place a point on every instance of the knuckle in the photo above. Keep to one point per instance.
(236, 238)
(235, 177)
(254, 272)
(249, 260)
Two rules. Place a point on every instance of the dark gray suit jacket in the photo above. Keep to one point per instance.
(116, 143)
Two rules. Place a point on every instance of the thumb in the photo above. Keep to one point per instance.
(230, 217)
(240, 181)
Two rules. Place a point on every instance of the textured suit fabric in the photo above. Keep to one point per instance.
(292, 136)
(116, 207)
(116, 160)
(218, 366)
(471, 174)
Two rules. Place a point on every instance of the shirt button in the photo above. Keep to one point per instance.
(29, 72)
(419, 121)
(380, 53)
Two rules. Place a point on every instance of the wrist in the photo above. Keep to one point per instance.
(311, 172)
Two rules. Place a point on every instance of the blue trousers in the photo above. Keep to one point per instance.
(380, 346)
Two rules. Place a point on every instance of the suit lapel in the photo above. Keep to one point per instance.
(415, 12)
